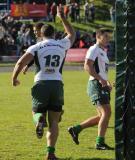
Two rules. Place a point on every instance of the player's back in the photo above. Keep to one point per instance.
(49, 59)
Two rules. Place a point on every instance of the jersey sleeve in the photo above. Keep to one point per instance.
(65, 43)
(31, 50)
(91, 54)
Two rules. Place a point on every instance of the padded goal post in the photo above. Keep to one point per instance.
(125, 80)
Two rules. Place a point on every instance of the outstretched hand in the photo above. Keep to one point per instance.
(109, 85)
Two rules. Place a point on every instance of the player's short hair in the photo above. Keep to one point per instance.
(101, 31)
(38, 25)
(47, 30)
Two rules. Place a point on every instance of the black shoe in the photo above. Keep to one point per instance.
(51, 157)
(74, 135)
(103, 147)
(40, 127)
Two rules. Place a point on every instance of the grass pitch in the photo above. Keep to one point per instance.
(17, 134)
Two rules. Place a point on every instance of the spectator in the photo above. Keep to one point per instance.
(9, 22)
(30, 36)
(78, 34)
(3, 47)
(53, 11)
(48, 11)
(92, 12)
(66, 10)
(86, 12)
(77, 12)
(72, 12)
(68, 2)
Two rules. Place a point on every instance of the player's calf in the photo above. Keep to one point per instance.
(40, 127)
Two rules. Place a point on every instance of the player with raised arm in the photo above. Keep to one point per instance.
(47, 92)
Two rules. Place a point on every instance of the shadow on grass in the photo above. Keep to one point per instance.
(95, 159)
(112, 149)
(87, 159)
(111, 127)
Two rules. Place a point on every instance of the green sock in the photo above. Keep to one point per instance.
(78, 128)
(100, 140)
(50, 149)
(36, 117)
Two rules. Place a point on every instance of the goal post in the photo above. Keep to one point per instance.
(125, 80)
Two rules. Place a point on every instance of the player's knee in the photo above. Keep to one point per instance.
(99, 115)
(106, 112)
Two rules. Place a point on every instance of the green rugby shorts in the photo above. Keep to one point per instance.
(98, 95)
(47, 95)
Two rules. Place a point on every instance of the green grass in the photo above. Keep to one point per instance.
(17, 136)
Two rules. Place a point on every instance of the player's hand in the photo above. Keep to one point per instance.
(15, 82)
(25, 69)
(60, 12)
(103, 82)
(109, 85)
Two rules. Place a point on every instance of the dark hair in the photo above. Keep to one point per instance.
(101, 31)
(47, 30)
(39, 25)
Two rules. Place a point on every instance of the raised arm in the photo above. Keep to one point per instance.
(67, 26)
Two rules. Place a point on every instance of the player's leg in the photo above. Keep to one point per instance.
(37, 115)
(56, 102)
(92, 121)
(100, 97)
(76, 129)
(103, 106)
(102, 126)
(40, 122)
(62, 112)
(104, 120)
(53, 119)
(52, 134)
(45, 121)
(40, 97)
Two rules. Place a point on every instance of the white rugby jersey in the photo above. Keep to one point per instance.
(101, 61)
(49, 56)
